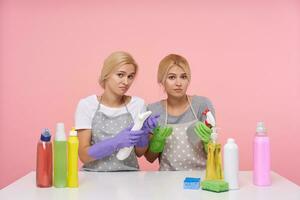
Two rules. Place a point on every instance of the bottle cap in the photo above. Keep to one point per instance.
(73, 132)
(60, 132)
(45, 136)
(260, 128)
(230, 140)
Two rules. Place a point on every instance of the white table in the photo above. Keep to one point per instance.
(147, 185)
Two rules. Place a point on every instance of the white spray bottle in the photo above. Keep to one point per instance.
(138, 124)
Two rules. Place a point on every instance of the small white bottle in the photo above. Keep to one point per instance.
(231, 164)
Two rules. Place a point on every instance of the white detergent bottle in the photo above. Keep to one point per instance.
(231, 164)
(138, 124)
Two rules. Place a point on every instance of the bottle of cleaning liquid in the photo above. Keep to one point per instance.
(60, 157)
(44, 160)
(231, 164)
(73, 159)
(261, 157)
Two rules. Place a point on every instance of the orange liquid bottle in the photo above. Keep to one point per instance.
(44, 160)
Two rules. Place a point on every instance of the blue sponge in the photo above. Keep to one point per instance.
(191, 183)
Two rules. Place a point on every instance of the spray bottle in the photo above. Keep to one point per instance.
(214, 158)
(231, 164)
(60, 157)
(138, 124)
(73, 159)
(261, 157)
(44, 160)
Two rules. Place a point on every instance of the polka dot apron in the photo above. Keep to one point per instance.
(180, 151)
(105, 127)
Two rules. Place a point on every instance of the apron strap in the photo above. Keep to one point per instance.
(99, 105)
(166, 118)
(192, 109)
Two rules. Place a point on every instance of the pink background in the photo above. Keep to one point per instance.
(244, 56)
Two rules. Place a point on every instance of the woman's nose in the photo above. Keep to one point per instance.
(125, 80)
(178, 81)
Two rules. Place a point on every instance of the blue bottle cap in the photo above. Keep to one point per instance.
(45, 136)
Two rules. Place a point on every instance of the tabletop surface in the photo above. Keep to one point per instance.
(148, 185)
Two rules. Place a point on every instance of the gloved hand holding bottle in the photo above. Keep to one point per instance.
(204, 130)
(150, 123)
(144, 139)
(204, 133)
(158, 140)
(126, 138)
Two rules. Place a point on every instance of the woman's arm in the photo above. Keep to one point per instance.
(104, 148)
(84, 137)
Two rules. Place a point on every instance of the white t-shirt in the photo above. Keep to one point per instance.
(87, 107)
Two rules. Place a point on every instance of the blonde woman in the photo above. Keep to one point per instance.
(180, 139)
(104, 121)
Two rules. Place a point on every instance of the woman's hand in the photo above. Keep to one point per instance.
(151, 122)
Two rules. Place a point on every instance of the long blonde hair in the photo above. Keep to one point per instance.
(169, 61)
(113, 61)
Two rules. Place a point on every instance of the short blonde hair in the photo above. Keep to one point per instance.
(113, 61)
(169, 61)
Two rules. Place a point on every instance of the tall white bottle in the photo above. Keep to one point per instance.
(231, 164)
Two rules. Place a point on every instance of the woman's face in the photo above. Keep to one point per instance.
(121, 79)
(176, 82)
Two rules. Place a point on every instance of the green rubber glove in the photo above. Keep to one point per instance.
(204, 133)
(158, 140)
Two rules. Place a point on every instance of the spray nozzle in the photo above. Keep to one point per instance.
(210, 120)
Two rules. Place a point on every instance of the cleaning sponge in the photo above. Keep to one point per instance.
(191, 183)
(214, 185)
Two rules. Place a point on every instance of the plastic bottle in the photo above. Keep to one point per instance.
(261, 157)
(73, 159)
(60, 157)
(231, 164)
(44, 160)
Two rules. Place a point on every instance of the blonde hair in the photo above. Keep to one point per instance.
(113, 61)
(169, 61)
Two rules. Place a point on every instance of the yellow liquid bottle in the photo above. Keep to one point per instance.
(73, 159)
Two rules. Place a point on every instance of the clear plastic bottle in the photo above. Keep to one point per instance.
(231, 164)
(44, 160)
(261, 157)
(73, 159)
(60, 157)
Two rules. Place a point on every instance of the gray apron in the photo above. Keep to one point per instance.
(105, 127)
(183, 150)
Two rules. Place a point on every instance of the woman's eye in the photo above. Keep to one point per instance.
(131, 77)
(184, 77)
(171, 77)
(120, 75)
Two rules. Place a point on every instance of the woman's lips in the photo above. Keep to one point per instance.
(123, 88)
(178, 90)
